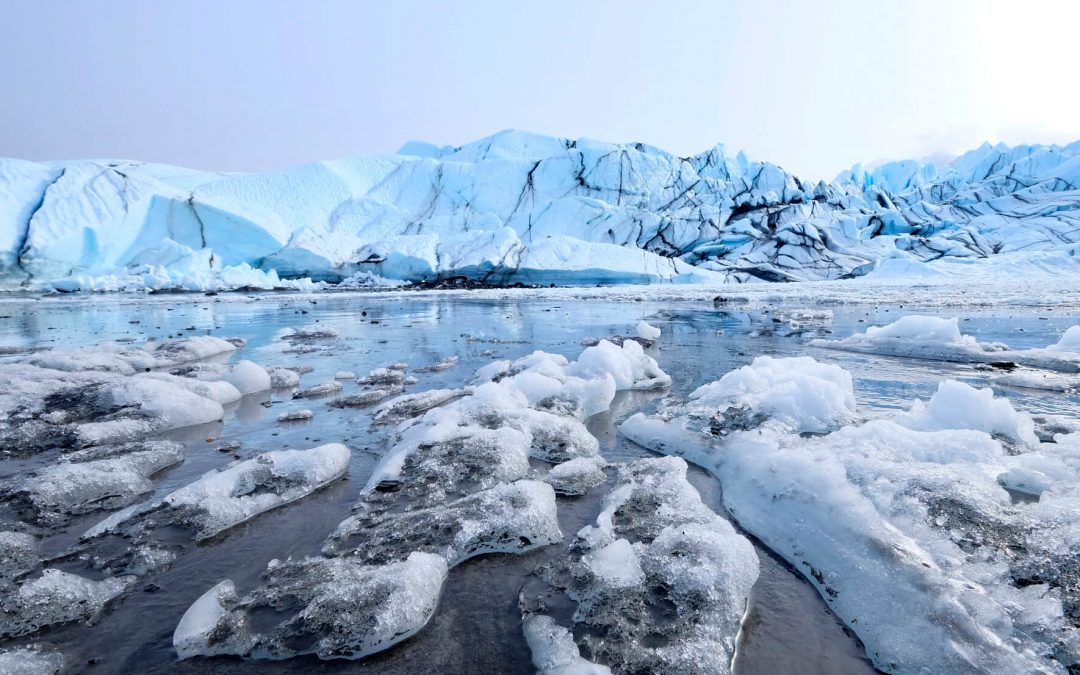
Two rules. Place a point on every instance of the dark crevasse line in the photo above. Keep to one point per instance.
(23, 245)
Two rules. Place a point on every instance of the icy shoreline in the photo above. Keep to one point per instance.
(979, 292)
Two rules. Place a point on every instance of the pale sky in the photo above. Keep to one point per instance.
(259, 84)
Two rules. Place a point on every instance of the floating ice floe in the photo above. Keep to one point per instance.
(283, 378)
(909, 527)
(935, 338)
(367, 397)
(1029, 378)
(655, 548)
(309, 334)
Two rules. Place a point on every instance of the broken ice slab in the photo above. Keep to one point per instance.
(330, 607)
(54, 598)
(223, 499)
(509, 518)
(655, 551)
(100, 478)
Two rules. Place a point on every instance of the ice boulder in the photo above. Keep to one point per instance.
(798, 393)
(956, 405)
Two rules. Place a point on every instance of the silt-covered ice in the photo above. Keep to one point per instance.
(908, 525)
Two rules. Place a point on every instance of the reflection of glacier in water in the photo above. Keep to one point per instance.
(477, 626)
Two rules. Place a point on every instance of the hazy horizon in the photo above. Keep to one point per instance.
(251, 86)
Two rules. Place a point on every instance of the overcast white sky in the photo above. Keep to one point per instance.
(259, 84)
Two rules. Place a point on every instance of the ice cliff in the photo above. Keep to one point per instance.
(519, 207)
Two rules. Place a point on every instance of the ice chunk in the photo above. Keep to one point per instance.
(655, 548)
(629, 366)
(509, 518)
(18, 554)
(310, 334)
(113, 480)
(55, 597)
(798, 393)
(382, 376)
(344, 375)
(411, 405)
(295, 416)
(283, 378)
(1069, 342)
(320, 390)
(646, 331)
(1036, 379)
(577, 476)
(439, 366)
(956, 405)
(366, 398)
(432, 463)
(934, 338)
(248, 377)
(31, 661)
(223, 499)
(125, 359)
(331, 607)
(553, 649)
(617, 564)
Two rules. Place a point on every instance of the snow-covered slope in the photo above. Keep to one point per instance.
(522, 207)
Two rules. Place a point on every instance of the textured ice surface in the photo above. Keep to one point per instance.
(518, 207)
(327, 388)
(124, 359)
(223, 499)
(53, 598)
(18, 554)
(117, 393)
(956, 405)
(99, 479)
(798, 393)
(553, 649)
(508, 518)
(411, 405)
(301, 415)
(330, 607)
(577, 476)
(661, 583)
(907, 530)
(30, 661)
(936, 338)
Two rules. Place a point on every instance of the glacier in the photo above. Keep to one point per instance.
(521, 208)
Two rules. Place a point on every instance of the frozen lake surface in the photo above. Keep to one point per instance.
(477, 626)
